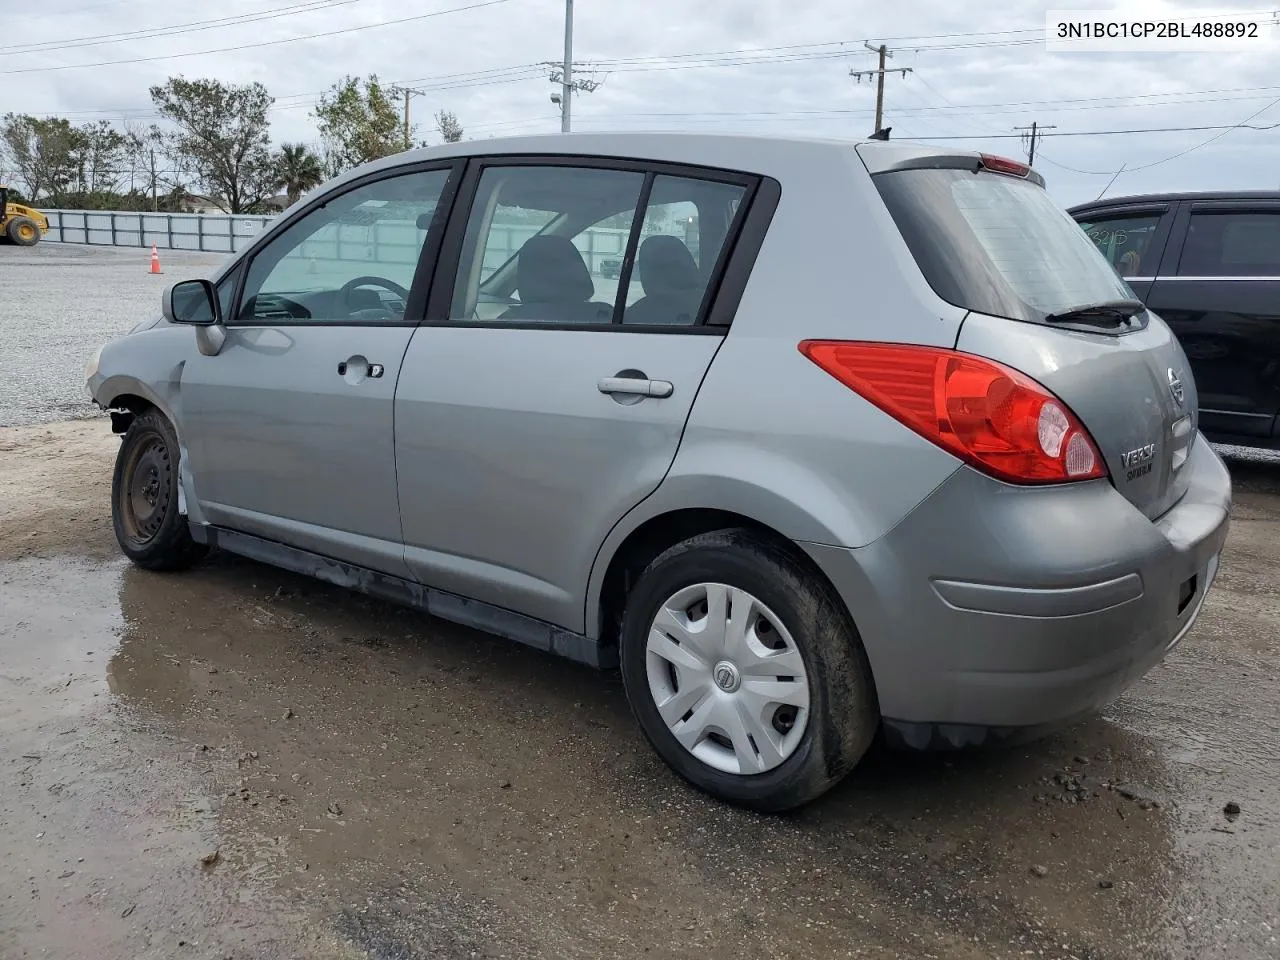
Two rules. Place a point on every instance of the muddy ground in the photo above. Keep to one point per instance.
(365, 782)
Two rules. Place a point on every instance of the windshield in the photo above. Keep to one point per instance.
(997, 245)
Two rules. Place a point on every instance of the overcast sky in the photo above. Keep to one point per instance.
(993, 75)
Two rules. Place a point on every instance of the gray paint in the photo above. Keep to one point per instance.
(487, 470)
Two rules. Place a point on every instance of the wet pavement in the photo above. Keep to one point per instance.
(367, 782)
(58, 303)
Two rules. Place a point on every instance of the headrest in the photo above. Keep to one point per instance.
(551, 270)
(667, 267)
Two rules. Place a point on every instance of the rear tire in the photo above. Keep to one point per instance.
(144, 497)
(23, 231)
(739, 705)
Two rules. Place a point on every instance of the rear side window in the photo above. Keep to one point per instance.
(1231, 245)
(1125, 241)
(997, 245)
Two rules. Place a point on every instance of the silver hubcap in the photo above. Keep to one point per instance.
(727, 678)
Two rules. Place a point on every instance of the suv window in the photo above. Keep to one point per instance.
(1124, 240)
(350, 261)
(1231, 245)
(997, 245)
(548, 244)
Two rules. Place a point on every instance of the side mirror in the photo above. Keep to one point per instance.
(191, 301)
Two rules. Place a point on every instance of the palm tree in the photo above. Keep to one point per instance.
(298, 170)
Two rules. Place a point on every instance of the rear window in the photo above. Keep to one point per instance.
(997, 245)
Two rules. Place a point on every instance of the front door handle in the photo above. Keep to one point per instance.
(359, 368)
(636, 387)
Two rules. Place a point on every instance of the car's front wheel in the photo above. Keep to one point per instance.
(745, 672)
(149, 527)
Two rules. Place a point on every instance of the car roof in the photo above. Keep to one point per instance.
(1138, 199)
(758, 153)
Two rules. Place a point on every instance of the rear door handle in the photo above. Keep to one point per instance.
(636, 387)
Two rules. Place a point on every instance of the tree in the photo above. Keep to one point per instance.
(449, 127)
(297, 170)
(101, 155)
(221, 136)
(43, 151)
(359, 121)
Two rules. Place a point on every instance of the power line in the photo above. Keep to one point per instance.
(265, 43)
(96, 40)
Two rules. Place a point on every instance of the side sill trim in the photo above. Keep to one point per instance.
(1039, 601)
(447, 606)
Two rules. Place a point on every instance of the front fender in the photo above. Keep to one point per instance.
(149, 365)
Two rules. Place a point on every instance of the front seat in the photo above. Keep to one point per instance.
(671, 283)
(555, 285)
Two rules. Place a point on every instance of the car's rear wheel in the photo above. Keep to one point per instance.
(149, 527)
(745, 671)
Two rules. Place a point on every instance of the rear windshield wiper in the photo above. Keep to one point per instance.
(1114, 311)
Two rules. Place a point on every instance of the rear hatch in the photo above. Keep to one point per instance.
(1044, 301)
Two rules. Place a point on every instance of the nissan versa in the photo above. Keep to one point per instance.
(861, 436)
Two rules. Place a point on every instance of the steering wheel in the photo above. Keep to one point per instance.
(351, 285)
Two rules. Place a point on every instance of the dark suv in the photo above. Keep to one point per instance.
(1209, 265)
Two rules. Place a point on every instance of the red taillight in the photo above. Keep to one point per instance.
(989, 415)
(1004, 165)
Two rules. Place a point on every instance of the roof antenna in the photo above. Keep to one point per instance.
(881, 134)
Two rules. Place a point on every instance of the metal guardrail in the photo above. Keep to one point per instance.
(210, 232)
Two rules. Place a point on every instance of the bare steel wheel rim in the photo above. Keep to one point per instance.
(727, 678)
(144, 494)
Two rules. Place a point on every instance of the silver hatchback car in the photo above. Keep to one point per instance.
(856, 437)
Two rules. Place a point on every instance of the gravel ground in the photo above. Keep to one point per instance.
(58, 303)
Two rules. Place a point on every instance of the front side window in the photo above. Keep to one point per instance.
(349, 261)
(1232, 245)
(549, 244)
(1125, 241)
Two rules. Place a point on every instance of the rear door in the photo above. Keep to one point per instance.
(545, 397)
(1219, 290)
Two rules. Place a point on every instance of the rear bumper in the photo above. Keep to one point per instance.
(993, 610)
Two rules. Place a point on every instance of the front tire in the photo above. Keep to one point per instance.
(745, 672)
(24, 231)
(144, 497)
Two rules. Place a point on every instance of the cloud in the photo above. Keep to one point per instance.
(970, 73)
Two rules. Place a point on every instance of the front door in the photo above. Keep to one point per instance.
(290, 427)
(1220, 293)
(547, 397)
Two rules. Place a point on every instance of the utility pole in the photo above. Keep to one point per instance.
(408, 92)
(885, 54)
(566, 71)
(562, 74)
(155, 202)
(1034, 135)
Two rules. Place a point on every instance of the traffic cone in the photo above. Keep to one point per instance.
(155, 259)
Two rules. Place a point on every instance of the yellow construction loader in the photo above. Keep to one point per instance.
(19, 223)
